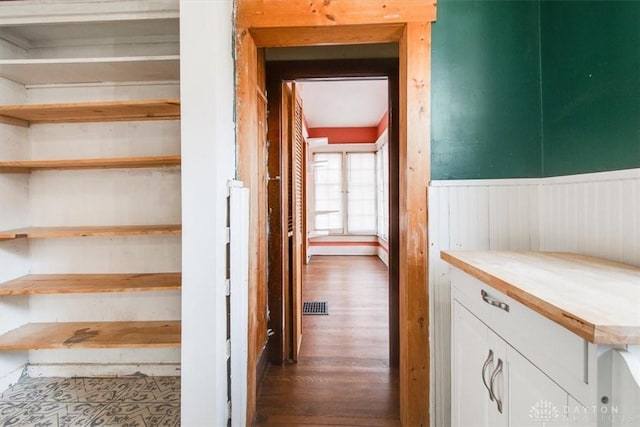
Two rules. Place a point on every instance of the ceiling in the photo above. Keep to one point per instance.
(344, 102)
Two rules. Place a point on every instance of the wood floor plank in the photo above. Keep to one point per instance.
(342, 377)
(289, 420)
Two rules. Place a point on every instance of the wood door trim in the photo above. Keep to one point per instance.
(291, 70)
(287, 15)
(339, 26)
(415, 165)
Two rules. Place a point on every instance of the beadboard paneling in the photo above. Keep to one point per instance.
(597, 215)
(478, 215)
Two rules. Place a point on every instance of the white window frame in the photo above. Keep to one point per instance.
(382, 180)
(345, 202)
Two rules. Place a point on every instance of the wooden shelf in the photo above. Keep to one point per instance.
(154, 109)
(91, 70)
(36, 336)
(89, 231)
(106, 163)
(40, 284)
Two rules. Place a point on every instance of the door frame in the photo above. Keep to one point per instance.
(276, 73)
(279, 23)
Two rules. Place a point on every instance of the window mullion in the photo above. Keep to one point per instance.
(345, 193)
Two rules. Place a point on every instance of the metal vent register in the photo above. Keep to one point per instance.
(315, 307)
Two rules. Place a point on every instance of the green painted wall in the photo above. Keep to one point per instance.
(590, 86)
(535, 88)
(486, 120)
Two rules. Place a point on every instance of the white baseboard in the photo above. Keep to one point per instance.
(383, 255)
(103, 370)
(343, 250)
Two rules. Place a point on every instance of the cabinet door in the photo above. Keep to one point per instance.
(534, 400)
(496, 378)
(470, 351)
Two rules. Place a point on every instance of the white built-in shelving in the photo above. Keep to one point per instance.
(91, 70)
(66, 47)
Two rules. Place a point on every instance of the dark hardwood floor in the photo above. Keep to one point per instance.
(342, 377)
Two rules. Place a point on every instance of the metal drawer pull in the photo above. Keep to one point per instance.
(484, 368)
(486, 298)
(493, 378)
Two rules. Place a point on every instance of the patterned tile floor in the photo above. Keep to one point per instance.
(57, 402)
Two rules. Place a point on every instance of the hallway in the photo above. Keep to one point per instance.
(342, 377)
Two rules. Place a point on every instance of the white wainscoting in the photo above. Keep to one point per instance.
(592, 214)
(468, 215)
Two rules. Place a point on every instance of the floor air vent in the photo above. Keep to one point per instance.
(315, 307)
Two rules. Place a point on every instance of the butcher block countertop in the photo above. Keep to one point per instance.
(598, 300)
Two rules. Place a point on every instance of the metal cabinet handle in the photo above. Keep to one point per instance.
(493, 378)
(487, 362)
(486, 298)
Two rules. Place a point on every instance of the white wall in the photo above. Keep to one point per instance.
(14, 213)
(208, 160)
(593, 214)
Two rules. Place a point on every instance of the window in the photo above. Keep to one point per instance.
(361, 193)
(328, 192)
(382, 172)
(345, 200)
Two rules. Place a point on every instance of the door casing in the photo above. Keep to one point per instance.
(278, 23)
(276, 73)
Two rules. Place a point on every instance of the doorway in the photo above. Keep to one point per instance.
(282, 343)
(408, 22)
(344, 359)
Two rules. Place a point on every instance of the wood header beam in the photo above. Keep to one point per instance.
(337, 13)
(280, 23)
(317, 36)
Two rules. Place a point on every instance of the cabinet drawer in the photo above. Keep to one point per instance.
(556, 351)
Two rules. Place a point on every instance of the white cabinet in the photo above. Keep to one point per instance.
(493, 384)
(477, 353)
(533, 397)
(538, 335)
